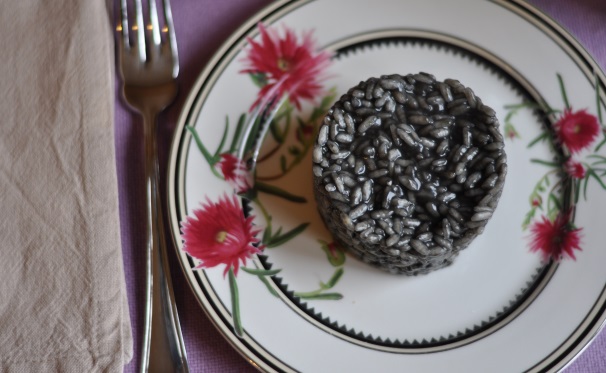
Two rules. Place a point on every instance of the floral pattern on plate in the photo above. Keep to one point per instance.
(287, 71)
(554, 235)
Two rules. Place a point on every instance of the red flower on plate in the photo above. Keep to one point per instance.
(289, 65)
(577, 130)
(218, 233)
(555, 239)
(574, 169)
(235, 172)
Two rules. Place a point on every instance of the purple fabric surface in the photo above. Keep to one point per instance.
(202, 26)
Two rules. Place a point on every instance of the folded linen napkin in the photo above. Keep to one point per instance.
(63, 301)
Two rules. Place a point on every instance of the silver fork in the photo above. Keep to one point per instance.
(149, 67)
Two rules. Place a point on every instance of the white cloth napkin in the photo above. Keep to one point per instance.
(63, 301)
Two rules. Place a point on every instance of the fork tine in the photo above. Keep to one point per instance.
(124, 41)
(171, 39)
(140, 24)
(154, 25)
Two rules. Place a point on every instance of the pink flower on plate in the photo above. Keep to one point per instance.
(235, 172)
(574, 169)
(219, 233)
(290, 65)
(577, 130)
(555, 239)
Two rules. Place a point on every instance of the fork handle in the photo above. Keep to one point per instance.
(163, 347)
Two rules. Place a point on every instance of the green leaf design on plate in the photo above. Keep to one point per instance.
(261, 272)
(577, 190)
(235, 304)
(209, 158)
(599, 159)
(320, 293)
(563, 91)
(280, 239)
(528, 218)
(223, 138)
(323, 296)
(236, 138)
(276, 191)
(545, 163)
(205, 153)
(335, 278)
(266, 234)
(599, 146)
(542, 137)
(275, 132)
(258, 79)
(554, 206)
(591, 173)
(268, 285)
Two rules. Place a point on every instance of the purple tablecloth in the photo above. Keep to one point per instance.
(202, 26)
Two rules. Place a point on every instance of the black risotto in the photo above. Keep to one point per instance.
(408, 170)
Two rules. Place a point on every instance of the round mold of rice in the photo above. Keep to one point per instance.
(408, 170)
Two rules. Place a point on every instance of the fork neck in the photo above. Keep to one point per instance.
(150, 100)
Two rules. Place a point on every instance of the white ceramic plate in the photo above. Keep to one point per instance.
(304, 305)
